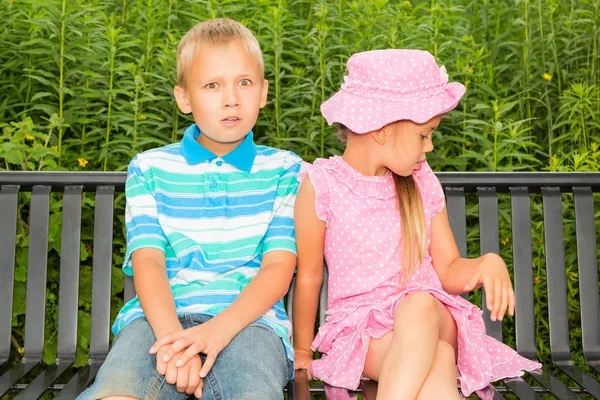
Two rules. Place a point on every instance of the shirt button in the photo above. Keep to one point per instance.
(219, 163)
(213, 184)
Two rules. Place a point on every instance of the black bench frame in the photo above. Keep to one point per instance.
(486, 185)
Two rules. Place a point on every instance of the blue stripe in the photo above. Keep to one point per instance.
(218, 199)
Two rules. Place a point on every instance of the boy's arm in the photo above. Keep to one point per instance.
(154, 292)
(145, 257)
(310, 236)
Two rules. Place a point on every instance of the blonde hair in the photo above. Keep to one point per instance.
(214, 32)
(412, 217)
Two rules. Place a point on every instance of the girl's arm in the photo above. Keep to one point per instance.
(445, 255)
(459, 275)
(310, 235)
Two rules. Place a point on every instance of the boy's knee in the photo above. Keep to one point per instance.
(120, 398)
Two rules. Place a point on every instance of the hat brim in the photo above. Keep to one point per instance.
(363, 114)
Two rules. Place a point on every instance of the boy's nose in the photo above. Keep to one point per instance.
(231, 99)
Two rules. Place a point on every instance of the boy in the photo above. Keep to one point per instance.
(210, 240)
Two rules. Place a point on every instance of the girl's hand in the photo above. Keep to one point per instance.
(493, 275)
(210, 338)
(302, 361)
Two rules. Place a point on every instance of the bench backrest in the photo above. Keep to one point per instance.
(578, 189)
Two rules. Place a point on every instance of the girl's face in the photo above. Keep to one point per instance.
(405, 144)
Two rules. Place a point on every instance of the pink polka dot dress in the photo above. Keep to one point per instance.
(363, 259)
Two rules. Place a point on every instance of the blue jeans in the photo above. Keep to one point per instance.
(253, 366)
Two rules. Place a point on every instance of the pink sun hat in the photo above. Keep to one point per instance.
(385, 86)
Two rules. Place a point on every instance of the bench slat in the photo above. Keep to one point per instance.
(101, 274)
(588, 273)
(69, 274)
(8, 238)
(555, 272)
(323, 297)
(554, 386)
(43, 381)
(583, 379)
(519, 387)
(457, 217)
(523, 272)
(129, 289)
(35, 309)
(15, 374)
(489, 241)
(79, 382)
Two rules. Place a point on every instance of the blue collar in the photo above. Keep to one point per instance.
(242, 157)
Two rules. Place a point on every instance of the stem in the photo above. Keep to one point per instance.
(175, 122)
(548, 108)
(86, 86)
(554, 51)
(123, 8)
(113, 33)
(61, 78)
(322, 77)
(526, 57)
(169, 20)
(276, 46)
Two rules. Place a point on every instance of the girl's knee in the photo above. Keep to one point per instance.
(423, 303)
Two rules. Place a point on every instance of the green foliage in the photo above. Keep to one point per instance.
(87, 85)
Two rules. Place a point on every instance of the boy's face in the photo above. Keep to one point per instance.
(224, 91)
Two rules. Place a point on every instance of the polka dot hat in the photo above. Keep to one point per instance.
(385, 86)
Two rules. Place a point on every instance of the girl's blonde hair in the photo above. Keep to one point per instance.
(412, 217)
(214, 32)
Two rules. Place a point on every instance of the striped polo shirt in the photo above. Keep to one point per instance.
(214, 218)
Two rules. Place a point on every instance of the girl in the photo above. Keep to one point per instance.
(394, 314)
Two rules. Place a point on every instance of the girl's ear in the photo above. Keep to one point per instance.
(381, 135)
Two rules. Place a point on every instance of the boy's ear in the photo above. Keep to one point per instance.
(182, 100)
(265, 92)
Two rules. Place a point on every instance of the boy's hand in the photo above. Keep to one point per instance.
(186, 379)
(302, 361)
(209, 338)
(499, 293)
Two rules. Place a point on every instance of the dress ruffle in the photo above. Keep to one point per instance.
(344, 344)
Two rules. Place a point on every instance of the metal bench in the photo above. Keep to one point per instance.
(486, 186)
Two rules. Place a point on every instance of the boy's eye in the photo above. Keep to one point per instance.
(212, 85)
(245, 82)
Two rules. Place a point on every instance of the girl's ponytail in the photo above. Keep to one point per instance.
(412, 221)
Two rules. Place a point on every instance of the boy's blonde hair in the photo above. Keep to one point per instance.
(214, 32)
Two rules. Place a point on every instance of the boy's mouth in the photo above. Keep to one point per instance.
(230, 121)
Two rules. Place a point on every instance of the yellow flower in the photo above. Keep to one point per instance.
(470, 70)
(143, 117)
(547, 77)
(20, 350)
(537, 280)
(29, 137)
(82, 162)
(55, 148)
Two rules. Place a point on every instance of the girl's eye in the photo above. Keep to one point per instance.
(245, 82)
(425, 137)
(212, 85)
